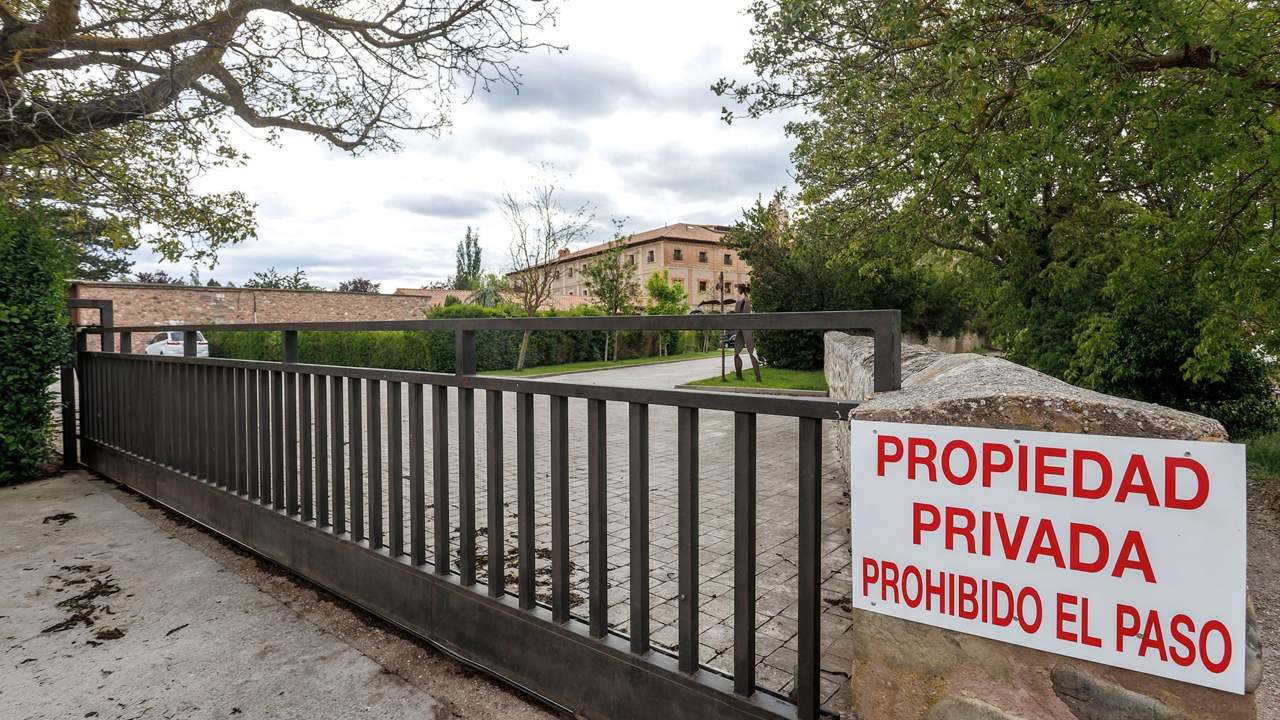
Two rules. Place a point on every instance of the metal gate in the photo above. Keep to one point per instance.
(323, 470)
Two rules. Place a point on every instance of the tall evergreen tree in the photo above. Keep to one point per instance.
(467, 275)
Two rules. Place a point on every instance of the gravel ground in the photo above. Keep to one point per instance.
(1264, 584)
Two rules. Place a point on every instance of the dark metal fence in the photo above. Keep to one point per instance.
(286, 459)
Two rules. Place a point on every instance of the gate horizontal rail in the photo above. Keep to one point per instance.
(287, 459)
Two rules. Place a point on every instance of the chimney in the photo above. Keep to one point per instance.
(564, 251)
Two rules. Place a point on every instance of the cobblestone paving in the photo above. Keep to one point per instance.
(776, 535)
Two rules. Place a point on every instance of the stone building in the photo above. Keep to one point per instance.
(693, 256)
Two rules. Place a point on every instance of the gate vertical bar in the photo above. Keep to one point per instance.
(440, 476)
(638, 506)
(395, 469)
(322, 451)
(417, 476)
(240, 429)
(597, 518)
(337, 426)
(291, 442)
(373, 392)
(277, 440)
(252, 467)
(687, 533)
(355, 466)
(744, 552)
(264, 436)
(308, 500)
(467, 486)
(559, 508)
(524, 499)
(809, 625)
(494, 492)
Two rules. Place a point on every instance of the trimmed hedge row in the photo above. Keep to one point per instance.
(434, 351)
(34, 341)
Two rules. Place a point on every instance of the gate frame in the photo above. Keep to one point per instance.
(501, 634)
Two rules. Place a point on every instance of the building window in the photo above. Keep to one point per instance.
(631, 258)
(677, 254)
(728, 259)
(702, 286)
(650, 257)
(570, 272)
(702, 256)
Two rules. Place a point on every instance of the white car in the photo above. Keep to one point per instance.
(170, 343)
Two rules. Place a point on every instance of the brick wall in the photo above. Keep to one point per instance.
(149, 304)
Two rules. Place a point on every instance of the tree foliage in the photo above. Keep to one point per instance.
(159, 277)
(273, 280)
(117, 106)
(665, 298)
(360, 285)
(1065, 155)
(468, 273)
(33, 340)
(807, 263)
(541, 226)
(611, 281)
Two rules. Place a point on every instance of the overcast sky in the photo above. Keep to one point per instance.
(625, 115)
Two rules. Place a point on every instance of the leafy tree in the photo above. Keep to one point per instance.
(33, 340)
(159, 277)
(1064, 156)
(489, 291)
(540, 228)
(665, 298)
(273, 280)
(116, 107)
(806, 263)
(360, 285)
(612, 282)
(90, 248)
(468, 271)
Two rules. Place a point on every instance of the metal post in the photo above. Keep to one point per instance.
(67, 388)
(189, 343)
(289, 346)
(464, 343)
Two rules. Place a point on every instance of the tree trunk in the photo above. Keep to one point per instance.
(524, 351)
(615, 346)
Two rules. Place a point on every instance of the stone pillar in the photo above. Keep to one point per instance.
(907, 671)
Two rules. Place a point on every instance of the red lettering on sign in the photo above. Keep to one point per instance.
(1078, 459)
(1137, 480)
(1133, 556)
(883, 457)
(990, 465)
(921, 452)
(1044, 470)
(1171, 499)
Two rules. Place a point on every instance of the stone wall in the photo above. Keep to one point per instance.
(907, 671)
(152, 304)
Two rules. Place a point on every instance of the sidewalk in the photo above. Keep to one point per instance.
(108, 614)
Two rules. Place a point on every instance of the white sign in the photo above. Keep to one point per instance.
(1123, 551)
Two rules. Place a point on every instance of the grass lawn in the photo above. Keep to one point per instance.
(777, 378)
(1263, 456)
(598, 364)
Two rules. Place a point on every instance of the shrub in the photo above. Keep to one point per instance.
(422, 351)
(34, 341)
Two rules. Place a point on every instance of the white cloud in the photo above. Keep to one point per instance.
(625, 113)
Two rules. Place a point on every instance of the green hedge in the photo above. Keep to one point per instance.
(434, 351)
(34, 341)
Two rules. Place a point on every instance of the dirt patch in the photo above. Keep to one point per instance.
(86, 607)
(460, 691)
(60, 518)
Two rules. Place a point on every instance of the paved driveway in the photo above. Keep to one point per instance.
(776, 534)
